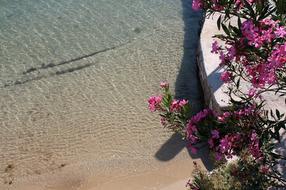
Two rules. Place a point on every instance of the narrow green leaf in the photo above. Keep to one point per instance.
(218, 22)
(225, 29)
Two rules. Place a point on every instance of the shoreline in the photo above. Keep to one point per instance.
(172, 175)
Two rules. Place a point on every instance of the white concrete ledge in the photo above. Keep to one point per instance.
(214, 89)
(209, 71)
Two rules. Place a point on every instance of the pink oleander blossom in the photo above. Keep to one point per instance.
(264, 169)
(183, 102)
(223, 58)
(215, 47)
(277, 59)
(231, 52)
(226, 76)
(193, 149)
(245, 112)
(154, 103)
(197, 5)
(222, 118)
(229, 143)
(280, 32)
(215, 134)
(191, 130)
(252, 92)
(218, 156)
(254, 147)
(225, 145)
(211, 143)
(226, 114)
(258, 35)
(193, 139)
(201, 115)
(164, 85)
(177, 105)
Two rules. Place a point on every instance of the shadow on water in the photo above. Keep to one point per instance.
(187, 84)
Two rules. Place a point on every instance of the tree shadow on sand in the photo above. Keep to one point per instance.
(188, 85)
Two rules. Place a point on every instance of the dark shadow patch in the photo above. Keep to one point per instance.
(171, 148)
(73, 69)
(188, 86)
(51, 65)
(214, 79)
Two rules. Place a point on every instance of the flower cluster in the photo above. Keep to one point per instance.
(173, 112)
(155, 103)
(227, 134)
(243, 131)
(258, 49)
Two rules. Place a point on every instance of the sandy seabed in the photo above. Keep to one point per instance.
(85, 124)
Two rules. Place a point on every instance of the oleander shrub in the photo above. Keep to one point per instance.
(252, 52)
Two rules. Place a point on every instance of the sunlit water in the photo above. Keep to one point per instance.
(74, 79)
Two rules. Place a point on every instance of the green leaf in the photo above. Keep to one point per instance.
(218, 22)
(239, 22)
(248, 6)
(277, 113)
(238, 83)
(281, 6)
(225, 29)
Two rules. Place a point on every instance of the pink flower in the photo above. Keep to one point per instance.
(215, 47)
(215, 134)
(280, 32)
(231, 52)
(226, 76)
(154, 103)
(221, 119)
(223, 116)
(177, 105)
(264, 169)
(193, 149)
(222, 57)
(200, 116)
(183, 102)
(191, 127)
(197, 5)
(226, 114)
(225, 145)
(252, 92)
(192, 138)
(218, 156)
(254, 147)
(164, 85)
(211, 143)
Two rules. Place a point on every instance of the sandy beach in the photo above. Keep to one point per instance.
(74, 89)
(168, 176)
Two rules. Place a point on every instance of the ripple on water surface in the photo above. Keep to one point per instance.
(75, 77)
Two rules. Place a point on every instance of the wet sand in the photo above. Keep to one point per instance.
(168, 176)
(79, 123)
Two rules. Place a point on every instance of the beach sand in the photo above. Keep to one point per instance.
(168, 176)
(82, 121)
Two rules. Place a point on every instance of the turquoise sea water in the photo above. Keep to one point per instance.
(75, 76)
(36, 34)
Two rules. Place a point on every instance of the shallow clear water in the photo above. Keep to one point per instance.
(75, 77)
(36, 34)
